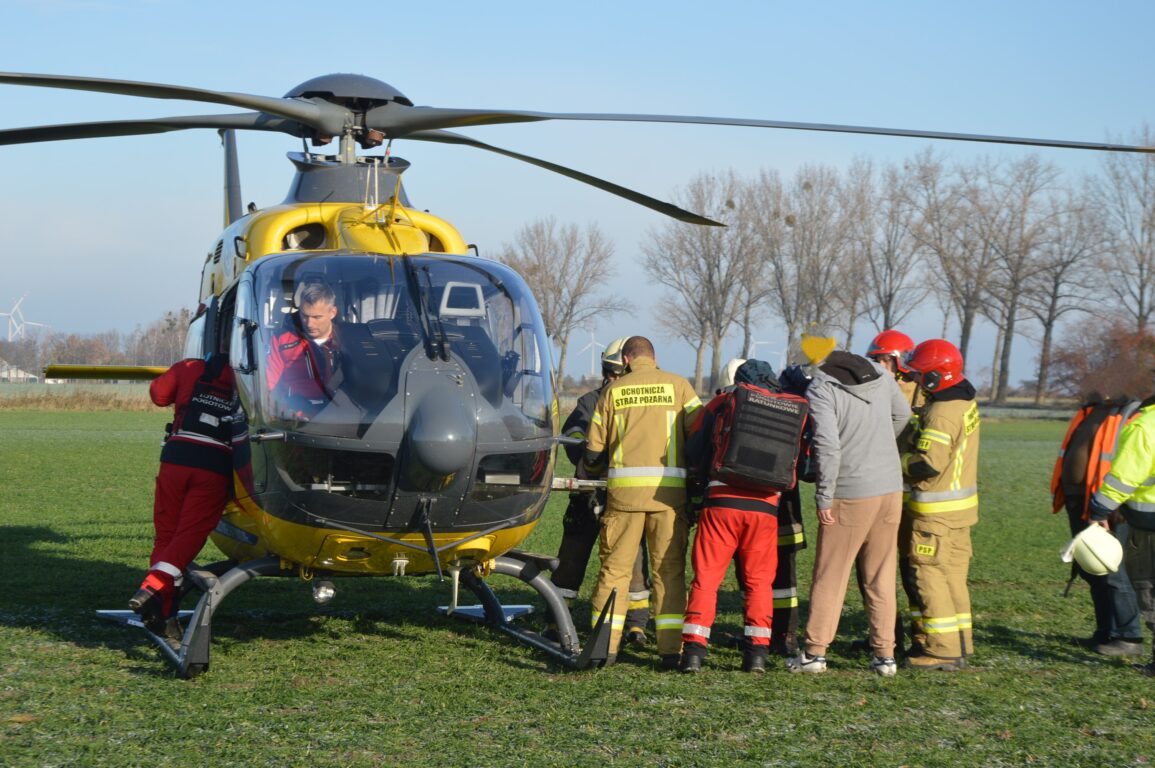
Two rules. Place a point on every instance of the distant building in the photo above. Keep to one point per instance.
(12, 374)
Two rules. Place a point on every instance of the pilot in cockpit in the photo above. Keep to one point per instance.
(303, 359)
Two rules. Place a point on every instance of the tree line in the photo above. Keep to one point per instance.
(1008, 242)
(161, 342)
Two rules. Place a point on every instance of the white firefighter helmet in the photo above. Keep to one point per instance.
(726, 379)
(1096, 550)
(612, 357)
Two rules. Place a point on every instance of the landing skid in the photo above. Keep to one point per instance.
(217, 581)
(192, 658)
(534, 571)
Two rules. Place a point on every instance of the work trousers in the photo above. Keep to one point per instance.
(940, 558)
(784, 626)
(1112, 596)
(621, 536)
(906, 575)
(580, 529)
(721, 534)
(187, 506)
(866, 531)
(1139, 559)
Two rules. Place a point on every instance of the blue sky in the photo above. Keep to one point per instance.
(111, 233)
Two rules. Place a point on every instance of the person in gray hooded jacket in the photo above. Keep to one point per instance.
(857, 410)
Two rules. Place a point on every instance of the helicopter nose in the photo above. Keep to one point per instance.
(443, 431)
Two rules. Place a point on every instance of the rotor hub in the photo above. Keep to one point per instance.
(355, 92)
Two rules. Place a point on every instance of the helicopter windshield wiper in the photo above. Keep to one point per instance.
(434, 348)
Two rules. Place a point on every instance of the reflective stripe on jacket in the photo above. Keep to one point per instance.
(641, 421)
(947, 439)
(1131, 481)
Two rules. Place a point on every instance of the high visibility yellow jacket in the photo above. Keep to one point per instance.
(940, 459)
(642, 421)
(1131, 480)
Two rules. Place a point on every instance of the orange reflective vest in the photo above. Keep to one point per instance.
(1087, 451)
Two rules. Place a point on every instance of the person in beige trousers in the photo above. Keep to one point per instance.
(858, 410)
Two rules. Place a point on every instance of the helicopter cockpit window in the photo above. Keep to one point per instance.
(338, 333)
(242, 342)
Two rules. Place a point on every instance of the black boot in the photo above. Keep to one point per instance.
(145, 603)
(693, 654)
(754, 658)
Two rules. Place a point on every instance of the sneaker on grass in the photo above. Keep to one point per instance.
(885, 667)
(805, 663)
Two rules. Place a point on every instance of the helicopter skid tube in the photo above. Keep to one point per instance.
(567, 649)
(192, 657)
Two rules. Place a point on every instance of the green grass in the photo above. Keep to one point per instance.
(378, 677)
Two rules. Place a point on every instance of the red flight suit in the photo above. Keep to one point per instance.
(733, 521)
(196, 467)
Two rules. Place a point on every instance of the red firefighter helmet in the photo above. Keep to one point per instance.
(892, 343)
(936, 364)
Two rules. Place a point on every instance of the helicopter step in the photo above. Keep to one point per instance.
(215, 582)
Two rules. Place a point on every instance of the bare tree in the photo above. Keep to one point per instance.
(161, 342)
(893, 275)
(1126, 193)
(1062, 283)
(945, 227)
(564, 268)
(801, 238)
(687, 323)
(1009, 204)
(705, 265)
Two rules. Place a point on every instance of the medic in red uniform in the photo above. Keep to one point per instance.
(193, 483)
(733, 521)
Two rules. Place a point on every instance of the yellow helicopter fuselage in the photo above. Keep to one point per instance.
(249, 528)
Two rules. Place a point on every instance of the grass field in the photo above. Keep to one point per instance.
(378, 677)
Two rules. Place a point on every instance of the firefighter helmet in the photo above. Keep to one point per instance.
(1096, 550)
(612, 363)
(936, 364)
(893, 344)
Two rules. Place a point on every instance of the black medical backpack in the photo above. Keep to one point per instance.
(757, 434)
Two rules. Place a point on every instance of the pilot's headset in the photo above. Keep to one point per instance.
(612, 362)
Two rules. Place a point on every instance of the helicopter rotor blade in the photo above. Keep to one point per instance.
(253, 121)
(397, 120)
(446, 137)
(321, 115)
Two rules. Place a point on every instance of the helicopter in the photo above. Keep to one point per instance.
(430, 448)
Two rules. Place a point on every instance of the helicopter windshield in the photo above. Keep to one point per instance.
(338, 333)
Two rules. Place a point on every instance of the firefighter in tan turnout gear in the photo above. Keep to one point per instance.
(641, 423)
(582, 522)
(940, 465)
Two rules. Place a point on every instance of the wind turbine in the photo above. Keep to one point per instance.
(593, 347)
(16, 321)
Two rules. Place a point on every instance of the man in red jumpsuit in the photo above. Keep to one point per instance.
(301, 362)
(733, 521)
(193, 483)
